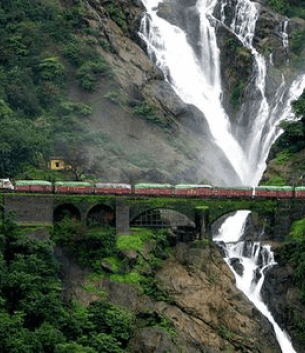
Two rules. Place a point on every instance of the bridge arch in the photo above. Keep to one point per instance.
(100, 214)
(66, 210)
(163, 217)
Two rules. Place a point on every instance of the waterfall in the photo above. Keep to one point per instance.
(194, 74)
(195, 79)
(248, 261)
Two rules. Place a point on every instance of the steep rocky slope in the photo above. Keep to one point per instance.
(284, 297)
(141, 130)
(150, 133)
(206, 310)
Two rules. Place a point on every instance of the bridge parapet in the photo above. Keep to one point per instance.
(275, 216)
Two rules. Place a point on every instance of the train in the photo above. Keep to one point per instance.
(151, 189)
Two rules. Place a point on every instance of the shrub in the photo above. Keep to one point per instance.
(297, 41)
(130, 242)
(276, 180)
(51, 69)
(132, 277)
(112, 319)
(280, 6)
(147, 112)
(136, 240)
(88, 245)
(236, 95)
(297, 232)
(89, 71)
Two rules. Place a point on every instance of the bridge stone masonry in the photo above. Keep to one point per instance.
(275, 216)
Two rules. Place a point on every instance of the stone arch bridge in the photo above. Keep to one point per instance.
(29, 209)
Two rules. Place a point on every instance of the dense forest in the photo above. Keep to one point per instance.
(41, 50)
(36, 315)
(33, 315)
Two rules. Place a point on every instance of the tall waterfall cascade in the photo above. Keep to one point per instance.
(195, 75)
(248, 261)
(196, 79)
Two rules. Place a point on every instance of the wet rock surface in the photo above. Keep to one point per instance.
(284, 299)
(237, 265)
(175, 144)
(208, 312)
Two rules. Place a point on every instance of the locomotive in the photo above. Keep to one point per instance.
(150, 189)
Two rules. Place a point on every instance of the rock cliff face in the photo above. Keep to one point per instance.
(150, 133)
(283, 299)
(208, 313)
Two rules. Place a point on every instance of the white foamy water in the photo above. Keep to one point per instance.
(196, 80)
(255, 259)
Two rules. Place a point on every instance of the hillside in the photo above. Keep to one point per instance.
(76, 84)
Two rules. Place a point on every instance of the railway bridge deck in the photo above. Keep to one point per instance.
(122, 212)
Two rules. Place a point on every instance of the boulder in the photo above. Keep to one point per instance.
(107, 267)
(152, 340)
(237, 265)
(131, 256)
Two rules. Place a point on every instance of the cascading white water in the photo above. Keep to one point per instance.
(266, 115)
(254, 259)
(196, 79)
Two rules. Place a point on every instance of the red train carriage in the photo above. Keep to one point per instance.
(33, 186)
(232, 192)
(265, 192)
(154, 189)
(116, 189)
(185, 190)
(282, 192)
(285, 192)
(73, 187)
(300, 192)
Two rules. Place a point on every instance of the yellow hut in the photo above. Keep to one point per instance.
(57, 163)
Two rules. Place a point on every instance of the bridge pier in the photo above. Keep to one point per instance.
(202, 222)
(122, 218)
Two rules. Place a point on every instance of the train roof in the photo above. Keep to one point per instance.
(32, 182)
(275, 188)
(152, 186)
(189, 186)
(112, 185)
(73, 183)
(233, 187)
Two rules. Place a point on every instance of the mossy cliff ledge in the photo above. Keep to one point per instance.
(183, 297)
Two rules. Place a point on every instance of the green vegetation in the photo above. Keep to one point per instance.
(236, 95)
(131, 242)
(147, 111)
(153, 319)
(293, 138)
(88, 245)
(297, 41)
(293, 252)
(289, 8)
(32, 315)
(44, 46)
(225, 333)
(297, 232)
(117, 14)
(275, 180)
